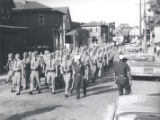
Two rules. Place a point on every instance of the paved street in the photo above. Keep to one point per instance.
(57, 107)
(68, 37)
(45, 106)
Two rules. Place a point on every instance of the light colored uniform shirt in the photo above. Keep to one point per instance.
(18, 65)
(51, 64)
(35, 64)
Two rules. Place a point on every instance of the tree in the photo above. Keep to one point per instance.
(155, 8)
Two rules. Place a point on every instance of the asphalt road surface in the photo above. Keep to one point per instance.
(46, 106)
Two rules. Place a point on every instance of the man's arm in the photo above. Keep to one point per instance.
(114, 76)
(22, 69)
(129, 74)
(56, 70)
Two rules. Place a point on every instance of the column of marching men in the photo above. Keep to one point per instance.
(76, 68)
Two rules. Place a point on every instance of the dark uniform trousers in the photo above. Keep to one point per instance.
(122, 84)
(79, 81)
(122, 79)
(27, 77)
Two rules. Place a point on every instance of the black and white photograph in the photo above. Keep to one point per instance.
(79, 59)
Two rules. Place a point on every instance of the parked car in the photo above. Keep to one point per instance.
(132, 48)
(134, 107)
(143, 65)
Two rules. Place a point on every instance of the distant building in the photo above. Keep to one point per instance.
(98, 32)
(12, 37)
(134, 31)
(45, 24)
(77, 38)
(29, 25)
(66, 17)
(123, 31)
(75, 25)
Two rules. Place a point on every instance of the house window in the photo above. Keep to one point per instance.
(96, 29)
(41, 20)
(90, 29)
(2, 11)
(8, 14)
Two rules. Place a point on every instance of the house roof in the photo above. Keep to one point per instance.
(31, 5)
(93, 24)
(18, 5)
(64, 10)
(119, 32)
(76, 32)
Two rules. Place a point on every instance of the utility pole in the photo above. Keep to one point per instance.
(145, 28)
(140, 25)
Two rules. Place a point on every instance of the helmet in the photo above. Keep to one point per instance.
(46, 52)
(49, 55)
(25, 54)
(17, 55)
(10, 55)
(33, 54)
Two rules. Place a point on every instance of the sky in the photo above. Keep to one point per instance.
(120, 11)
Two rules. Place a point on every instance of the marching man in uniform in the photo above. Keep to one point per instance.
(34, 73)
(51, 71)
(10, 64)
(26, 65)
(94, 67)
(18, 73)
(100, 63)
(78, 73)
(66, 70)
(85, 60)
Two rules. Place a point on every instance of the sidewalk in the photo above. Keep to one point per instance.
(3, 78)
(151, 51)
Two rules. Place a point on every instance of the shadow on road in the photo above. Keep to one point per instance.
(136, 78)
(100, 82)
(98, 88)
(155, 94)
(102, 90)
(33, 112)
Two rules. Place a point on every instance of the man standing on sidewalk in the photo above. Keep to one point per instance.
(122, 76)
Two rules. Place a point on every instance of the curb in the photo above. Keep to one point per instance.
(2, 81)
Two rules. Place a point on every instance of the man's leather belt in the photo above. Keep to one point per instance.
(67, 71)
(17, 70)
(51, 70)
(34, 70)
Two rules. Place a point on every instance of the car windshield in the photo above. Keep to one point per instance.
(148, 58)
(139, 116)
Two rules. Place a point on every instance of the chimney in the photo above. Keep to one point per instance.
(26, 1)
